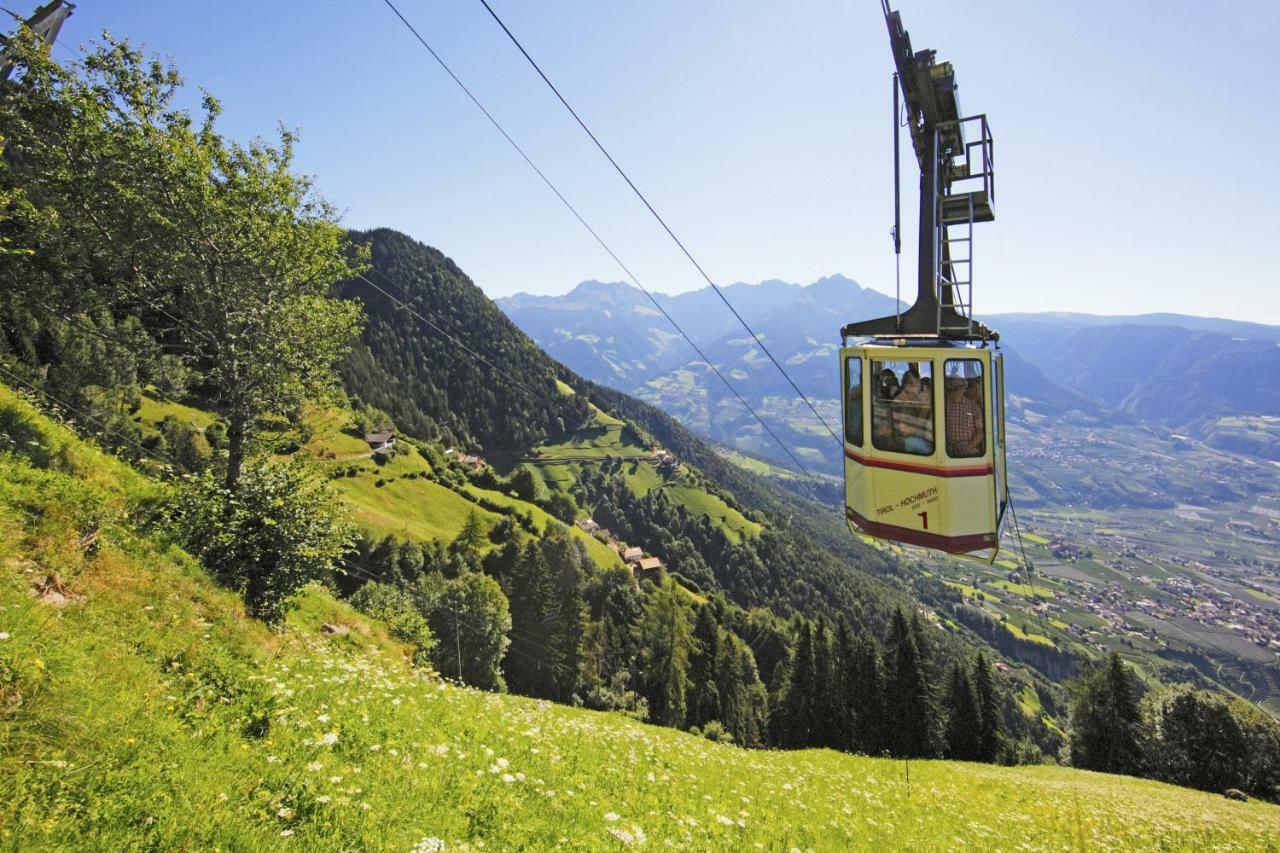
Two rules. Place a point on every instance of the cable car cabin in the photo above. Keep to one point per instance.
(923, 391)
(924, 444)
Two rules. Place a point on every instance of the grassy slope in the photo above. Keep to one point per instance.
(153, 713)
(560, 463)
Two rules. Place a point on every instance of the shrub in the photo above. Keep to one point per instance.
(715, 730)
(396, 607)
(281, 530)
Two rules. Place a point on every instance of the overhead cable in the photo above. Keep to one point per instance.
(631, 276)
(658, 217)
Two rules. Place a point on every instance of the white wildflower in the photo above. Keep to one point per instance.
(724, 820)
(323, 798)
(315, 766)
(285, 833)
(610, 816)
(4, 635)
(285, 813)
(428, 845)
(508, 778)
(622, 835)
(327, 739)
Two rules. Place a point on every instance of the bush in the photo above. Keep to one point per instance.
(396, 607)
(280, 530)
(715, 730)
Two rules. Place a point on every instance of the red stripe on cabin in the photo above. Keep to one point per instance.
(938, 542)
(917, 468)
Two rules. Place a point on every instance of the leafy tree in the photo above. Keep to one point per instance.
(1204, 740)
(911, 711)
(282, 529)
(525, 484)
(187, 445)
(667, 640)
(227, 252)
(984, 687)
(562, 506)
(1106, 731)
(964, 718)
(471, 621)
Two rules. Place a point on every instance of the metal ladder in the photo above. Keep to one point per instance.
(965, 194)
(953, 267)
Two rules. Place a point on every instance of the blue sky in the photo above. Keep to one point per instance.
(1134, 140)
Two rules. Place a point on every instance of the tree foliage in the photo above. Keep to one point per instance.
(471, 621)
(219, 248)
(1106, 731)
(280, 530)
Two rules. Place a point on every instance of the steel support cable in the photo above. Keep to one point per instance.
(658, 217)
(1026, 569)
(597, 237)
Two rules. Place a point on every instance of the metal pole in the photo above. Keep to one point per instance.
(897, 209)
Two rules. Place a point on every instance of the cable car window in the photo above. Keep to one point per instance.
(965, 408)
(853, 401)
(902, 406)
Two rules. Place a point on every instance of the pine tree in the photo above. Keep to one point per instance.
(910, 708)
(704, 694)
(1105, 721)
(870, 730)
(992, 741)
(844, 667)
(620, 617)
(824, 699)
(964, 719)
(667, 638)
(565, 615)
(528, 665)
(472, 536)
(798, 699)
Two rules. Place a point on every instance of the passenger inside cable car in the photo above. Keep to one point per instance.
(902, 413)
(962, 387)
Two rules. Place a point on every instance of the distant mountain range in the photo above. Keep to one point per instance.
(1176, 370)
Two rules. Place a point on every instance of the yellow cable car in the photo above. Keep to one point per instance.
(923, 390)
(924, 444)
